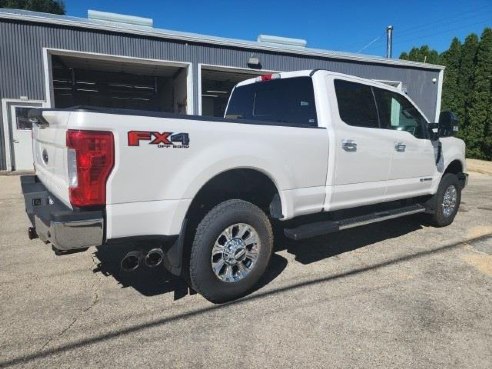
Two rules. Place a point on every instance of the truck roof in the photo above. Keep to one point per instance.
(310, 72)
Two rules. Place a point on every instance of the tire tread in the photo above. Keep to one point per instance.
(437, 218)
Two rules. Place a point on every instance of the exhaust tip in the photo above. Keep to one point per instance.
(154, 258)
(131, 261)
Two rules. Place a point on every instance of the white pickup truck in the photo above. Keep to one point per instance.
(312, 152)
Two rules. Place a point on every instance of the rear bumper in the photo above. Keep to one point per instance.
(67, 229)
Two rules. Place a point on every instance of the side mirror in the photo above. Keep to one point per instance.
(448, 124)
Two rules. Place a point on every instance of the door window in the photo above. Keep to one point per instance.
(398, 113)
(356, 104)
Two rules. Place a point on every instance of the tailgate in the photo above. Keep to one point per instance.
(50, 151)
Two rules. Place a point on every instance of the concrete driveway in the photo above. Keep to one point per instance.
(397, 294)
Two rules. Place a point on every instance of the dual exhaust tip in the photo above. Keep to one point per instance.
(134, 259)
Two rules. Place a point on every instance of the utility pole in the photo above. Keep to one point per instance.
(389, 41)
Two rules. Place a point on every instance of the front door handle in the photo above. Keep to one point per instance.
(349, 145)
(15, 141)
(400, 147)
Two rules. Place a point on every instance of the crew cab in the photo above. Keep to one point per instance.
(297, 154)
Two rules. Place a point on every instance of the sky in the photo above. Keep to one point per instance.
(350, 26)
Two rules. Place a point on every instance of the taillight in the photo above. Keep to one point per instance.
(90, 160)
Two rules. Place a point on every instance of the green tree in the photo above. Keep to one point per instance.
(479, 140)
(465, 80)
(45, 6)
(423, 54)
(467, 88)
(452, 95)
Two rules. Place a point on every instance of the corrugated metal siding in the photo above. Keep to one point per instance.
(418, 82)
(21, 61)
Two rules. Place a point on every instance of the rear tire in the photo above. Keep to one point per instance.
(446, 201)
(231, 250)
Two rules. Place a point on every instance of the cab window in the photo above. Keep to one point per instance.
(396, 112)
(356, 104)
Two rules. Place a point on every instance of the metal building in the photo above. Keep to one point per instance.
(122, 61)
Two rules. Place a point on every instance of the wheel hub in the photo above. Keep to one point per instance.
(234, 251)
(449, 201)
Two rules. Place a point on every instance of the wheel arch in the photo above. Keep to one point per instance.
(242, 183)
(250, 184)
(455, 167)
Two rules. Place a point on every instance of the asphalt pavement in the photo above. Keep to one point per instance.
(398, 294)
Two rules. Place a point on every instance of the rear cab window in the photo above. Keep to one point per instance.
(288, 102)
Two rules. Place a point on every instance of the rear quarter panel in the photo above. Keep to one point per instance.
(294, 158)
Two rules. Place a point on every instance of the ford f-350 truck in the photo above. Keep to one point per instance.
(310, 152)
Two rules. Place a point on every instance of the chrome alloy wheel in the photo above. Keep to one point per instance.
(235, 252)
(449, 201)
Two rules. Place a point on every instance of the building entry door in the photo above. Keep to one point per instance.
(21, 139)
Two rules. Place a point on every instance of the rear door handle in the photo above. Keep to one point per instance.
(400, 147)
(349, 145)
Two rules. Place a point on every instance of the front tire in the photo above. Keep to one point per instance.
(231, 250)
(446, 201)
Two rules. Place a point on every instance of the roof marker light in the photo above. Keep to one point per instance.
(268, 77)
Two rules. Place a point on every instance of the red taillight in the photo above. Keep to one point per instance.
(90, 161)
(266, 77)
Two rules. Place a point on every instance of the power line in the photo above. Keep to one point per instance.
(440, 26)
(370, 43)
(443, 31)
(417, 32)
(446, 20)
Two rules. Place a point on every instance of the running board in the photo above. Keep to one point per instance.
(320, 228)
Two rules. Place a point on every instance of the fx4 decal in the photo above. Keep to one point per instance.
(164, 139)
